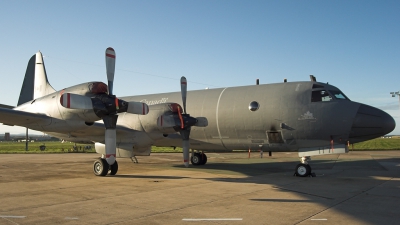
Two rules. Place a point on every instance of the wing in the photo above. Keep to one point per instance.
(95, 133)
(24, 119)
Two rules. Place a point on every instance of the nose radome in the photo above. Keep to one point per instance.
(370, 123)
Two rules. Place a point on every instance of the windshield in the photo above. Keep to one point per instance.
(320, 96)
(338, 95)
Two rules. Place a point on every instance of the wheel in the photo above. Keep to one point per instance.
(100, 167)
(196, 159)
(113, 168)
(203, 158)
(303, 170)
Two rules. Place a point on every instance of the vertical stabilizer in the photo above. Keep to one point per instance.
(35, 83)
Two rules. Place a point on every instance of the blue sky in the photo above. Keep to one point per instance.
(354, 45)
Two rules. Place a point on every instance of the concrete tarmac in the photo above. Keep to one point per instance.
(353, 188)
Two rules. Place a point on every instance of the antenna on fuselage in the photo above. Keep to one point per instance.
(312, 78)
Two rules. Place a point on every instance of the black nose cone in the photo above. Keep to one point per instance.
(370, 123)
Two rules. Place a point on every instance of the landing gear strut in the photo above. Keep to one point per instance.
(198, 158)
(134, 161)
(101, 167)
(304, 169)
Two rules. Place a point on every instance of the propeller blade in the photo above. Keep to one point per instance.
(110, 142)
(184, 93)
(110, 66)
(73, 101)
(201, 122)
(185, 145)
(137, 108)
(185, 149)
(110, 137)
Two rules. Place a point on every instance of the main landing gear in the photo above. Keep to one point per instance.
(304, 169)
(101, 167)
(198, 158)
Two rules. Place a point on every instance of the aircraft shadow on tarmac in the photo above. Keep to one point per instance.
(147, 177)
(279, 200)
(320, 167)
(337, 182)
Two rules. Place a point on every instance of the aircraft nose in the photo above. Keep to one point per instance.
(370, 123)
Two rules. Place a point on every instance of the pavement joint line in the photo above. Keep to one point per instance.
(305, 193)
(212, 219)
(71, 218)
(345, 200)
(9, 220)
(379, 164)
(190, 206)
(85, 200)
(16, 217)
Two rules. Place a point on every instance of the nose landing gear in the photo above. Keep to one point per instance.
(304, 169)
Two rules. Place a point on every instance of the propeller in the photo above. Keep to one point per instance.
(178, 119)
(184, 92)
(105, 105)
(181, 121)
(110, 121)
(185, 132)
(110, 67)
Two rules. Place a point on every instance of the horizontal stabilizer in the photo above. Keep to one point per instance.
(6, 106)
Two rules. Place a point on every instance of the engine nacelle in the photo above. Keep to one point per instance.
(168, 118)
(149, 121)
(88, 89)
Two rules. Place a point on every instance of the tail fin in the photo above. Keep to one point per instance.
(35, 83)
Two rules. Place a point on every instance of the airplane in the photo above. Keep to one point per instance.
(308, 117)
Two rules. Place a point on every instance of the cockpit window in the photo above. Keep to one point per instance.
(320, 96)
(338, 95)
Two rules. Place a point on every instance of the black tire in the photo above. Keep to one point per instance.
(203, 159)
(113, 168)
(196, 159)
(303, 170)
(100, 167)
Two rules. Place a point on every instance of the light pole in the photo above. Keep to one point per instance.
(394, 95)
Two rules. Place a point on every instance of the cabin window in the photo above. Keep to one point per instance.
(320, 96)
(254, 106)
